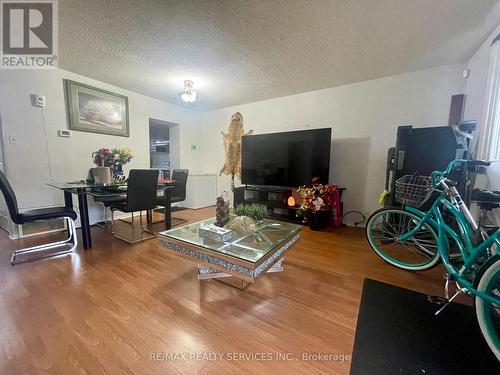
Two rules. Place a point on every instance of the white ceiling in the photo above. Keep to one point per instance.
(244, 51)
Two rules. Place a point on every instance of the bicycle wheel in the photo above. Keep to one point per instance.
(419, 252)
(488, 314)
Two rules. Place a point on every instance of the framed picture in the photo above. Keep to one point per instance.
(97, 111)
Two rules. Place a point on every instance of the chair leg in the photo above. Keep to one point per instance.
(105, 217)
(39, 251)
(132, 221)
(124, 238)
(145, 228)
(104, 226)
(178, 221)
(175, 221)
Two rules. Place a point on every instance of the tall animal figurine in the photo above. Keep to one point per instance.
(222, 211)
(232, 147)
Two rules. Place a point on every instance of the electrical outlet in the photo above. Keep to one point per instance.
(12, 139)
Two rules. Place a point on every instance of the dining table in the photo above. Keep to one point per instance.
(83, 189)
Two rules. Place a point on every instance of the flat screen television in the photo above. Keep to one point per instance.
(288, 159)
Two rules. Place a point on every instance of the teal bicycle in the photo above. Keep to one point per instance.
(417, 239)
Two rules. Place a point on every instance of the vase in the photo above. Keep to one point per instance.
(102, 175)
(118, 175)
(320, 219)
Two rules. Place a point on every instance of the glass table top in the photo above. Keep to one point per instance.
(250, 247)
(83, 185)
(98, 190)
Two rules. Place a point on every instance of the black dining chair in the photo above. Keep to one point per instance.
(142, 186)
(178, 192)
(106, 200)
(40, 251)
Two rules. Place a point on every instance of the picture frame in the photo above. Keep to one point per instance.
(94, 110)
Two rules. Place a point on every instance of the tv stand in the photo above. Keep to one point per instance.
(274, 198)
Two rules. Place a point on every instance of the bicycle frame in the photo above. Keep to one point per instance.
(469, 253)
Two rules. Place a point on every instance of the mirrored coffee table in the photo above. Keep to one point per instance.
(240, 260)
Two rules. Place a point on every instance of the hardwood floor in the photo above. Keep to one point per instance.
(109, 310)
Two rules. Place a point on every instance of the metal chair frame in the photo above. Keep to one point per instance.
(39, 250)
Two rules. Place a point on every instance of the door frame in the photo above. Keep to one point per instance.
(174, 141)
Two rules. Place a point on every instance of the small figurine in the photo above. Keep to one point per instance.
(222, 211)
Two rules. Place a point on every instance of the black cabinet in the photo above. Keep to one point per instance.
(275, 199)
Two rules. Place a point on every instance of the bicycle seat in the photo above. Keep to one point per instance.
(485, 196)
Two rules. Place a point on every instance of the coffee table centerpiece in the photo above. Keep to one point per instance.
(239, 260)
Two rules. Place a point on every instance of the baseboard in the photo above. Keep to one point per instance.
(4, 222)
(11, 228)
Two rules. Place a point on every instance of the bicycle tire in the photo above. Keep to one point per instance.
(428, 248)
(488, 314)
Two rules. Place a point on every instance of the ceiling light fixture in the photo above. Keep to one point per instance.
(188, 94)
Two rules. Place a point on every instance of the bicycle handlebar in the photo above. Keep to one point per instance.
(475, 163)
(437, 176)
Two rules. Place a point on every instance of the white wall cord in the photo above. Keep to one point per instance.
(47, 151)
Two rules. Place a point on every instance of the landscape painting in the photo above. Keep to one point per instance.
(91, 109)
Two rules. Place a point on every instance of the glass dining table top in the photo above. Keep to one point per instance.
(84, 185)
(250, 247)
(113, 188)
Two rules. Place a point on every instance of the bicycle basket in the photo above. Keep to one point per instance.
(412, 189)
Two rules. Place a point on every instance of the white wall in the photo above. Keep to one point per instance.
(364, 118)
(27, 161)
(476, 97)
(475, 85)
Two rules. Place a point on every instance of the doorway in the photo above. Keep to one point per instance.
(163, 146)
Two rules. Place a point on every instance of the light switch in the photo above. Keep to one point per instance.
(12, 139)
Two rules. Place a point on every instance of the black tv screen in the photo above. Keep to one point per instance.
(287, 159)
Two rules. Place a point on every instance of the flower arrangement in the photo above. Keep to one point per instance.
(316, 198)
(105, 157)
(122, 155)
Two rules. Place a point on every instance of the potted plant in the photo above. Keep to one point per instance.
(246, 218)
(317, 204)
(255, 211)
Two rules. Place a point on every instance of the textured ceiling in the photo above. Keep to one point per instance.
(244, 51)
